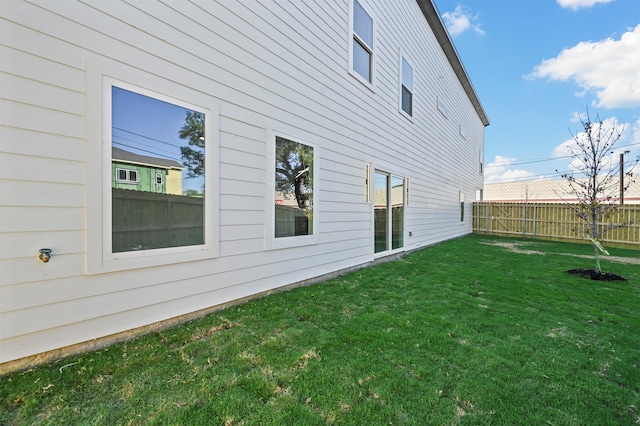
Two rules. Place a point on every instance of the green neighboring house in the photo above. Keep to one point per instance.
(144, 173)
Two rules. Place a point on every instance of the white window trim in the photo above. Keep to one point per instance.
(463, 132)
(159, 175)
(271, 242)
(128, 179)
(442, 107)
(401, 83)
(100, 258)
(369, 84)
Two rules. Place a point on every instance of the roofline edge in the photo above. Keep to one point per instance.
(432, 16)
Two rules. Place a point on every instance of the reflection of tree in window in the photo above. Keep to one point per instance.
(193, 153)
(294, 188)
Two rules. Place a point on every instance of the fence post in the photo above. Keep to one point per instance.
(488, 222)
(170, 224)
(524, 220)
(535, 220)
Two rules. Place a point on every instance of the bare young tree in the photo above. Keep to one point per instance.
(596, 181)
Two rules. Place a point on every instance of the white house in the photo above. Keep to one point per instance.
(325, 103)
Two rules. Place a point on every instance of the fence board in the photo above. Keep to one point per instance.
(147, 220)
(554, 222)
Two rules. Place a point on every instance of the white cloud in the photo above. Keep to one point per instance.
(499, 170)
(634, 148)
(635, 134)
(577, 4)
(576, 117)
(610, 68)
(460, 20)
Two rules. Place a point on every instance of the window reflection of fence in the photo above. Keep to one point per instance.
(381, 231)
(146, 220)
(553, 222)
(291, 221)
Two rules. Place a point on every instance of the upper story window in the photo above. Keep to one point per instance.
(406, 87)
(125, 175)
(362, 44)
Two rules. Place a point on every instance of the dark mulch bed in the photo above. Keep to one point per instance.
(590, 273)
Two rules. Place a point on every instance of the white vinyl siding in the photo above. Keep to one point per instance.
(257, 66)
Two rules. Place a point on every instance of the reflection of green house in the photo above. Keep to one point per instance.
(145, 173)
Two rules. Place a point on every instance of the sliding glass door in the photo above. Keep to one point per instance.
(388, 211)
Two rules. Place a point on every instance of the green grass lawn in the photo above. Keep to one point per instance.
(465, 332)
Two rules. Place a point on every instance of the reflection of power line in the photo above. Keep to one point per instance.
(137, 143)
(146, 137)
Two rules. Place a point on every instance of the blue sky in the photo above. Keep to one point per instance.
(150, 127)
(536, 64)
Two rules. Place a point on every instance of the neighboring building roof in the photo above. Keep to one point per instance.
(432, 15)
(121, 155)
(544, 191)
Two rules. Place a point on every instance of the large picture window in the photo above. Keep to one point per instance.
(294, 174)
(154, 138)
(152, 193)
(362, 58)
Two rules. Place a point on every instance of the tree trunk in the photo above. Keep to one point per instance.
(596, 236)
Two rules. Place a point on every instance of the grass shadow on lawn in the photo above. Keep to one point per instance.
(464, 332)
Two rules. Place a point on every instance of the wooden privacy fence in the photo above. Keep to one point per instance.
(148, 220)
(553, 222)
